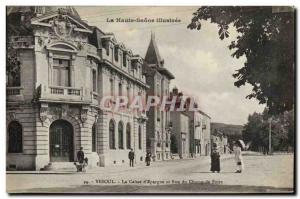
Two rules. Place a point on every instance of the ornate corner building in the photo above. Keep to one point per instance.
(58, 70)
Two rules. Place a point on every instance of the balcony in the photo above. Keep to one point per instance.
(59, 93)
(92, 51)
(21, 42)
(14, 93)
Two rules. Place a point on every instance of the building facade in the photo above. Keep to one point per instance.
(200, 136)
(158, 124)
(199, 139)
(180, 136)
(58, 71)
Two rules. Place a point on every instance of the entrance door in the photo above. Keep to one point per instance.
(61, 141)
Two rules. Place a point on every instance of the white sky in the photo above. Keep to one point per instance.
(201, 62)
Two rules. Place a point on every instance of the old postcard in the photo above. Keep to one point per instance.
(150, 99)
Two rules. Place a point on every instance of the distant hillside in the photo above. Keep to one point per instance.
(232, 131)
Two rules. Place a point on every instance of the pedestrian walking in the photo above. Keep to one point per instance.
(80, 156)
(148, 159)
(215, 159)
(131, 157)
(237, 149)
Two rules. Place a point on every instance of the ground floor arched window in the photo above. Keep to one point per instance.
(174, 144)
(94, 138)
(112, 134)
(140, 137)
(120, 135)
(128, 136)
(15, 137)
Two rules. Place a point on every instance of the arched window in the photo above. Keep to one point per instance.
(167, 140)
(120, 135)
(112, 134)
(140, 137)
(128, 136)
(15, 138)
(94, 138)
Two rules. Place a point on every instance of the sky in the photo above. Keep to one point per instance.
(201, 62)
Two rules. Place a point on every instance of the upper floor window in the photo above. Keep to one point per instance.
(61, 72)
(111, 87)
(13, 71)
(106, 47)
(120, 89)
(116, 54)
(124, 59)
(94, 81)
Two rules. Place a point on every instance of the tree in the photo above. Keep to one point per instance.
(256, 131)
(266, 39)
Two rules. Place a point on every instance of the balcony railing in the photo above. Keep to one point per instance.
(14, 93)
(21, 41)
(14, 90)
(92, 50)
(59, 93)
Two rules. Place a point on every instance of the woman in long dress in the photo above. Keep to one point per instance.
(215, 159)
(237, 149)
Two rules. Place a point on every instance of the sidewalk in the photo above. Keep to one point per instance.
(121, 168)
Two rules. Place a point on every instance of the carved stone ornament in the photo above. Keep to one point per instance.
(43, 112)
(62, 26)
(83, 114)
(40, 41)
(12, 115)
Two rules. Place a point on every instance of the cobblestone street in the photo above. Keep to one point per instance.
(262, 173)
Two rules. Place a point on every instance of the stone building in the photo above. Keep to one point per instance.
(58, 70)
(180, 136)
(158, 125)
(199, 126)
(199, 122)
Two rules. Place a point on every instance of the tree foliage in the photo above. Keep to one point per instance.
(266, 39)
(256, 131)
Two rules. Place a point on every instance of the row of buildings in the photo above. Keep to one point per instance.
(58, 70)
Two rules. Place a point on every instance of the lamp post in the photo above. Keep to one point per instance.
(270, 136)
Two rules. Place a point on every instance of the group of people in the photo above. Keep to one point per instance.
(83, 162)
(215, 158)
(131, 158)
(237, 150)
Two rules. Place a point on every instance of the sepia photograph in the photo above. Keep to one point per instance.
(150, 99)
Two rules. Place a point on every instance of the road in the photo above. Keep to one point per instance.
(262, 174)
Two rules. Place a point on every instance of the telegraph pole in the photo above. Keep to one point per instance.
(270, 136)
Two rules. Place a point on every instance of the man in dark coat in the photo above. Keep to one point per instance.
(80, 155)
(131, 157)
(215, 159)
(148, 159)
